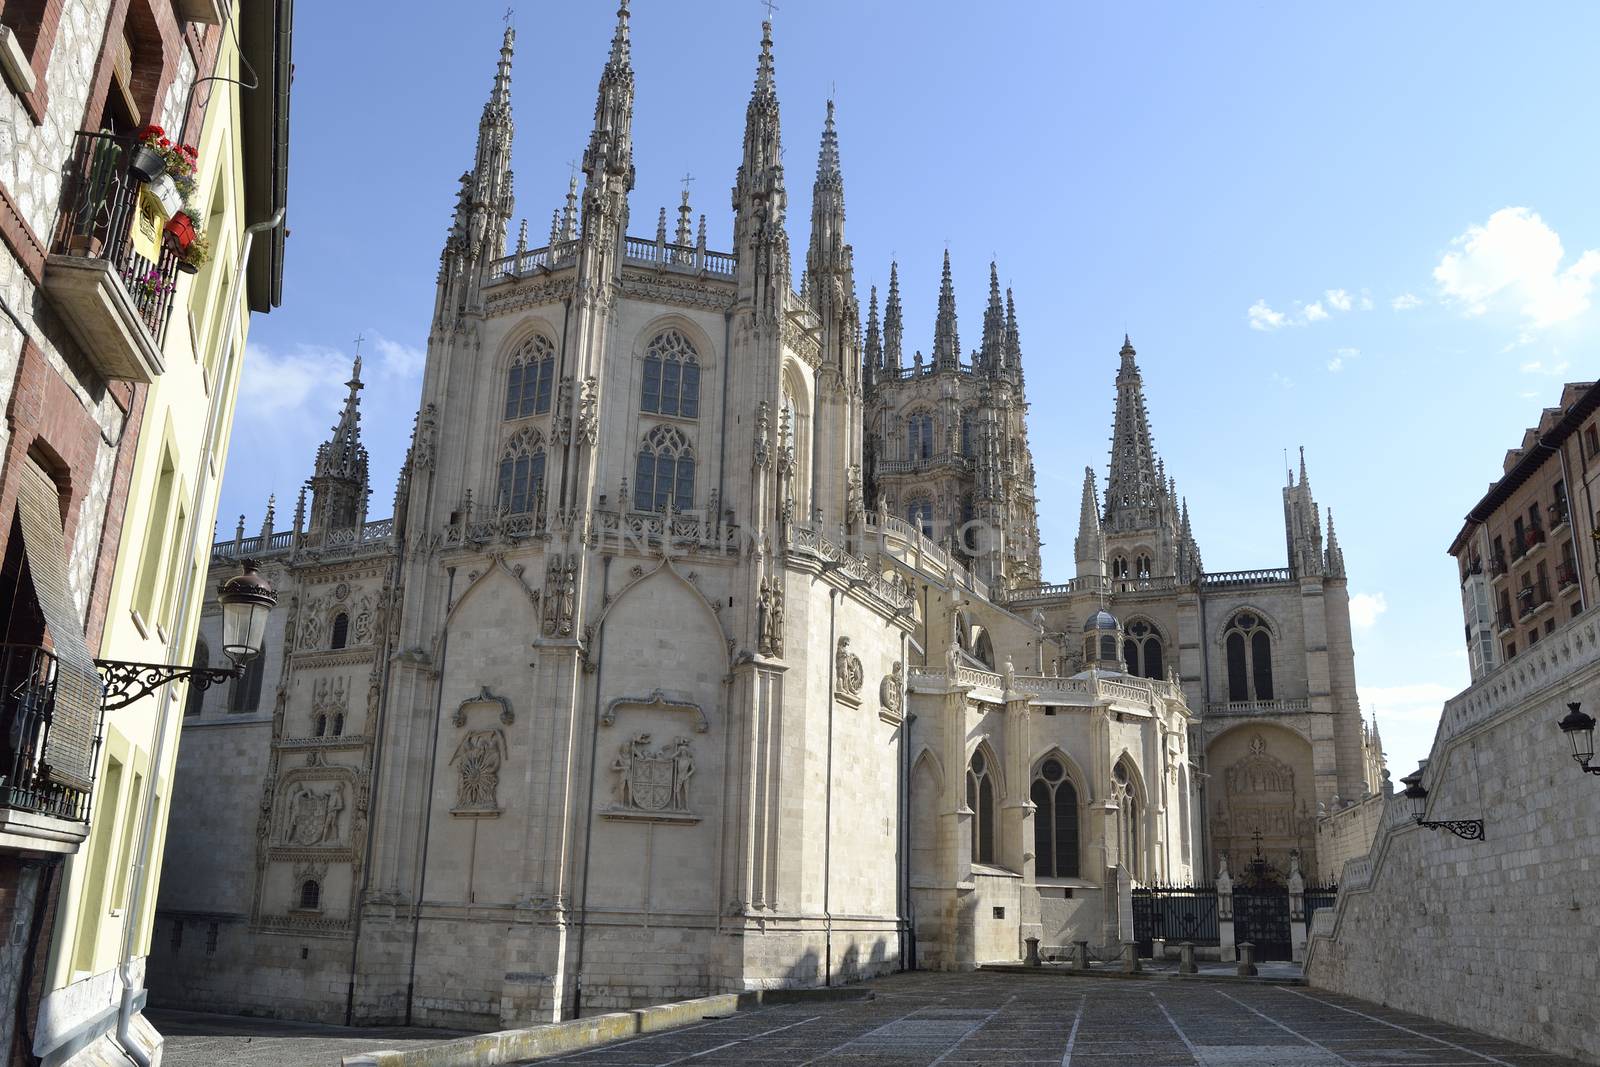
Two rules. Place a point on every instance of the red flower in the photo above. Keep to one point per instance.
(165, 143)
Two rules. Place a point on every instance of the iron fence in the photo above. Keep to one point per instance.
(27, 706)
(1175, 913)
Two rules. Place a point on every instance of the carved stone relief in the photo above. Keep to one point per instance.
(477, 760)
(890, 699)
(848, 673)
(654, 780)
(313, 815)
(560, 596)
(588, 416)
(770, 616)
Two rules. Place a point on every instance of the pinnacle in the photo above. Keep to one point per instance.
(620, 53)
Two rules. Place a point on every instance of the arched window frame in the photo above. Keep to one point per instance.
(665, 471)
(521, 480)
(310, 895)
(919, 435)
(530, 378)
(1119, 566)
(983, 797)
(671, 376)
(1247, 646)
(1127, 793)
(1143, 649)
(339, 632)
(1058, 808)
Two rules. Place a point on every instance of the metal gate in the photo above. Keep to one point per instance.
(1319, 896)
(1176, 913)
(1261, 916)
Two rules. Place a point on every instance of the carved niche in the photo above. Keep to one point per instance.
(560, 596)
(477, 760)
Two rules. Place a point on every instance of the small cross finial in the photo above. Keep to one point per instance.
(686, 179)
(770, 6)
(572, 164)
(359, 339)
(511, 13)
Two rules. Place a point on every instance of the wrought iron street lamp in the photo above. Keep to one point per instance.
(247, 599)
(1579, 729)
(1467, 829)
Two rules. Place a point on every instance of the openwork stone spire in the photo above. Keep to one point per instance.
(993, 353)
(1302, 525)
(946, 338)
(760, 200)
(893, 324)
(828, 252)
(339, 476)
(1335, 554)
(1013, 339)
(608, 160)
(1134, 489)
(872, 361)
(1090, 547)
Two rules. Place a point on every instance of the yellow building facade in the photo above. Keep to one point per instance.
(90, 1011)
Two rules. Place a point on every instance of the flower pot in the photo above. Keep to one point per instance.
(187, 267)
(181, 229)
(166, 191)
(146, 164)
(82, 244)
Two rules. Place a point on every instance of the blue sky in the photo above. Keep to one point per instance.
(1362, 228)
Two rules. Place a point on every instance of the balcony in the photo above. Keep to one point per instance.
(1532, 538)
(1474, 566)
(112, 296)
(38, 811)
(1558, 514)
(1497, 567)
(1502, 619)
(1566, 575)
(1533, 598)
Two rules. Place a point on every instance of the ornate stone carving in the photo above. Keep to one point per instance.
(890, 690)
(588, 415)
(654, 780)
(313, 815)
(855, 501)
(484, 697)
(560, 596)
(361, 623)
(422, 450)
(563, 419)
(763, 450)
(477, 761)
(848, 676)
(311, 624)
(769, 611)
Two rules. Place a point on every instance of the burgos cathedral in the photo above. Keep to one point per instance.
(708, 646)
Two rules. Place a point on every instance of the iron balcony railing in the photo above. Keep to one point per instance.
(99, 210)
(1566, 574)
(1558, 513)
(27, 707)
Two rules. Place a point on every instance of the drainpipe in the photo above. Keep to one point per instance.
(131, 920)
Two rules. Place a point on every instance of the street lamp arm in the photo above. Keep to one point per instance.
(1466, 829)
(127, 682)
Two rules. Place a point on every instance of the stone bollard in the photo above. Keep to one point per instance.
(1080, 955)
(1032, 959)
(1186, 963)
(1247, 960)
(1130, 958)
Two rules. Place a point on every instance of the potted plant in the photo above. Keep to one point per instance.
(147, 286)
(197, 255)
(180, 229)
(155, 155)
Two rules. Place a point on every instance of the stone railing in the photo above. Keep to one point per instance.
(680, 529)
(1267, 576)
(1090, 583)
(287, 542)
(1257, 707)
(1549, 663)
(637, 251)
(1143, 691)
(807, 542)
(507, 527)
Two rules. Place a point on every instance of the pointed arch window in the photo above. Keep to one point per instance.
(980, 798)
(665, 471)
(530, 378)
(1125, 793)
(1142, 650)
(521, 472)
(919, 436)
(310, 895)
(1055, 821)
(966, 434)
(340, 634)
(919, 513)
(1249, 651)
(671, 376)
(1119, 567)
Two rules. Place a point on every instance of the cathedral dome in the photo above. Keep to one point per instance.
(1101, 620)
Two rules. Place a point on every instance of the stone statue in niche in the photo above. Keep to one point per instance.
(587, 417)
(569, 594)
(855, 507)
(314, 815)
(889, 689)
(770, 610)
(654, 780)
(763, 452)
(848, 668)
(477, 761)
(552, 595)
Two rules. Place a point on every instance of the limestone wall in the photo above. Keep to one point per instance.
(1345, 835)
(1498, 935)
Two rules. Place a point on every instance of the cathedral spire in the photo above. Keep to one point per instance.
(608, 160)
(760, 200)
(1133, 489)
(893, 323)
(1302, 526)
(685, 234)
(1335, 555)
(569, 215)
(828, 252)
(872, 361)
(339, 476)
(1013, 338)
(1090, 547)
(946, 338)
(993, 352)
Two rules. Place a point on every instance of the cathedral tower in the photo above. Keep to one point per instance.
(339, 487)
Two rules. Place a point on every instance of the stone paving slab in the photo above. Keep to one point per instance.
(959, 1020)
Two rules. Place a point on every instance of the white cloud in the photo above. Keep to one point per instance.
(1406, 301)
(1366, 300)
(398, 360)
(1314, 312)
(1365, 609)
(1418, 701)
(1339, 299)
(1264, 318)
(1281, 380)
(1347, 353)
(1336, 364)
(1513, 262)
(1538, 366)
(276, 383)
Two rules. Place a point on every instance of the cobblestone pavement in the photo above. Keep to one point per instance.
(961, 1020)
(956, 1020)
(199, 1040)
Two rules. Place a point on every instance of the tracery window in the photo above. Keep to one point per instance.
(966, 434)
(521, 472)
(1055, 821)
(671, 376)
(529, 378)
(1124, 792)
(1142, 566)
(919, 436)
(980, 798)
(665, 471)
(340, 634)
(1142, 650)
(1119, 567)
(1249, 648)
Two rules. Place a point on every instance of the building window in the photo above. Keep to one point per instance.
(1249, 648)
(1124, 792)
(521, 472)
(195, 699)
(530, 378)
(25, 19)
(1592, 436)
(244, 693)
(665, 472)
(1142, 650)
(671, 377)
(1055, 821)
(980, 798)
(1142, 566)
(966, 434)
(340, 635)
(322, 726)
(919, 436)
(310, 895)
(338, 724)
(1119, 567)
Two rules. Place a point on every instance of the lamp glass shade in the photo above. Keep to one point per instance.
(1579, 729)
(247, 599)
(1418, 798)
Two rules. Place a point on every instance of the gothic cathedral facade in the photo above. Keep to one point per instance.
(708, 648)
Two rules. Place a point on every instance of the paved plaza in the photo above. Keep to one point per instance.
(926, 1019)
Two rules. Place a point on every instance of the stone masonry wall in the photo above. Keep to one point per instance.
(1499, 934)
(1346, 835)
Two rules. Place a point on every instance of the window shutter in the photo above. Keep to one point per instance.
(75, 719)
